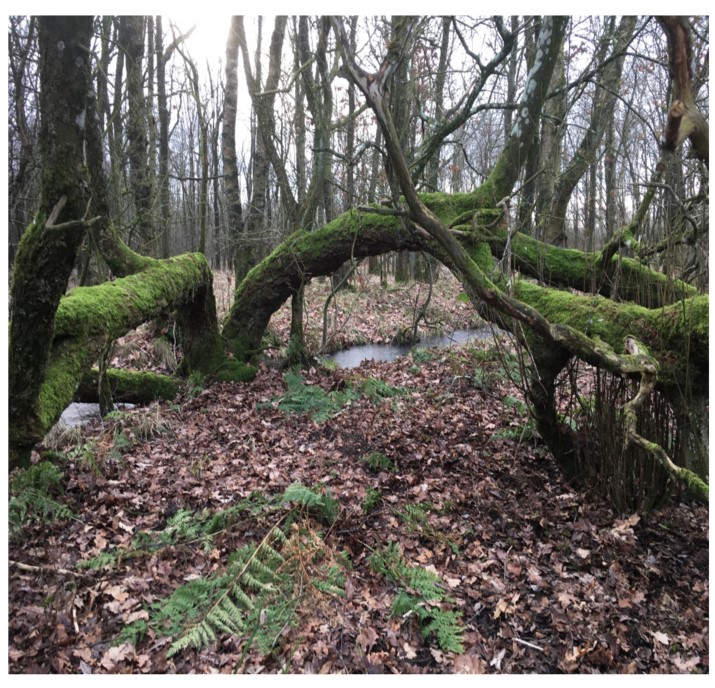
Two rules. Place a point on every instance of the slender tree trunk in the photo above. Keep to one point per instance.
(231, 181)
(550, 145)
(116, 139)
(511, 77)
(604, 100)
(131, 36)
(154, 248)
(609, 177)
(20, 181)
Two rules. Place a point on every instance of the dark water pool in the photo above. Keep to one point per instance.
(354, 356)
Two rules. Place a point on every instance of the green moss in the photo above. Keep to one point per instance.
(677, 335)
(89, 317)
(27, 247)
(581, 270)
(685, 327)
(232, 370)
(481, 254)
(695, 485)
(592, 315)
(136, 387)
(115, 307)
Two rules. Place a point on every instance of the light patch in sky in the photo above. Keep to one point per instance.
(208, 40)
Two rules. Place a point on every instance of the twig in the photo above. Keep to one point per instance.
(47, 569)
(528, 644)
(84, 222)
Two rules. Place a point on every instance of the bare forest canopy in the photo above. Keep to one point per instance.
(558, 166)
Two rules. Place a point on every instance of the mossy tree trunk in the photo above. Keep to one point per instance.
(131, 38)
(47, 251)
(55, 338)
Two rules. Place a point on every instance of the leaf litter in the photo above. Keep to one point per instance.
(545, 578)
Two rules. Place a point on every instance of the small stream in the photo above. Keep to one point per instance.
(355, 355)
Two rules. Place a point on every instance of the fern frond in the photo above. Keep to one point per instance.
(424, 592)
(445, 626)
(263, 571)
(224, 619)
(243, 598)
(192, 638)
(229, 607)
(258, 594)
(254, 583)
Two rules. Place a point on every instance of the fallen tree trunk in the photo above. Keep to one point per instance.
(621, 277)
(88, 319)
(665, 346)
(127, 386)
(357, 235)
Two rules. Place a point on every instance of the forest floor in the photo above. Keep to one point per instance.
(433, 532)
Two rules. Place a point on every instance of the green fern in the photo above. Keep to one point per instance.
(377, 390)
(321, 405)
(30, 499)
(257, 595)
(104, 560)
(311, 399)
(445, 626)
(372, 499)
(203, 609)
(183, 528)
(322, 507)
(423, 599)
(375, 461)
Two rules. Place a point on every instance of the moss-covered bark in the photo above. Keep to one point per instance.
(128, 386)
(88, 318)
(302, 256)
(677, 335)
(47, 251)
(625, 278)
(306, 255)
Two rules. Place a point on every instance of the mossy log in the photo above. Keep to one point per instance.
(677, 334)
(622, 277)
(87, 319)
(128, 386)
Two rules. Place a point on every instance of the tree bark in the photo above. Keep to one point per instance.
(232, 189)
(47, 252)
(131, 37)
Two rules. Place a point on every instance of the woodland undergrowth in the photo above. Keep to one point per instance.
(394, 518)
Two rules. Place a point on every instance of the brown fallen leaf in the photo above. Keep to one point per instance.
(366, 639)
(469, 664)
(117, 654)
(410, 651)
(662, 638)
